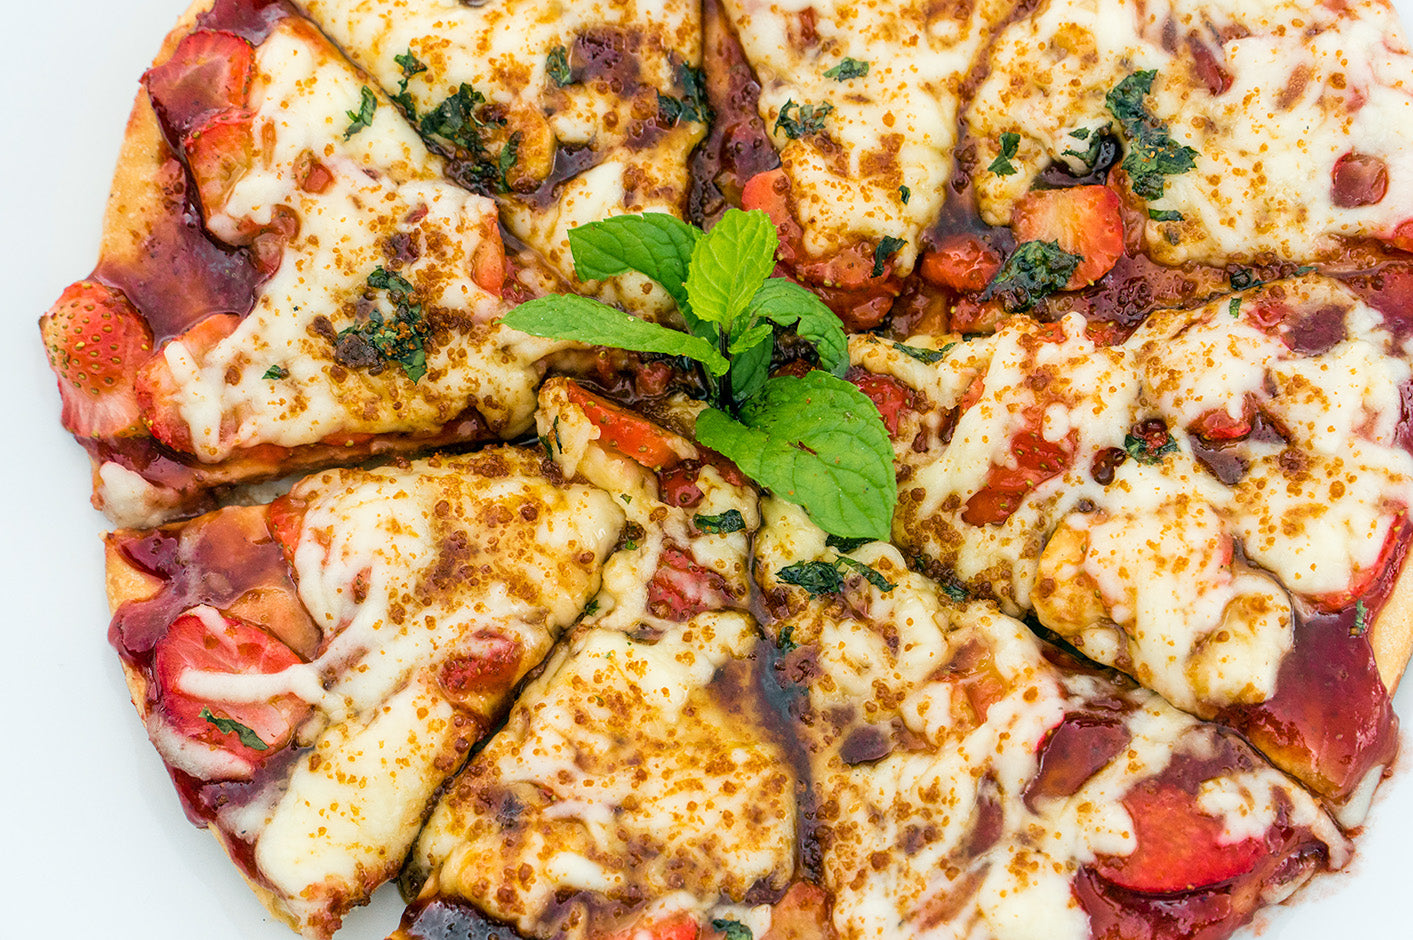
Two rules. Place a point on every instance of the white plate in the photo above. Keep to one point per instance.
(95, 843)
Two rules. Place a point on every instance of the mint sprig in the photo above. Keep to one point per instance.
(816, 441)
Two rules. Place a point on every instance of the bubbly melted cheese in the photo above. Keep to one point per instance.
(621, 776)
(894, 126)
(622, 54)
(936, 833)
(383, 189)
(404, 571)
(1270, 94)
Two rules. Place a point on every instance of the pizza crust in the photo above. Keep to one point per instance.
(1391, 633)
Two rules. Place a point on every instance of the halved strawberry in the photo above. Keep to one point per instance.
(219, 151)
(1358, 179)
(1216, 424)
(961, 262)
(1085, 220)
(205, 640)
(96, 342)
(891, 397)
(209, 71)
(155, 387)
(626, 432)
(1180, 848)
(488, 259)
(1361, 583)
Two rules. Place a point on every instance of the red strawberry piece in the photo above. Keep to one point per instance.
(155, 388)
(681, 588)
(961, 262)
(209, 71)
(96, 342)
(491, 667)
(219, 152)
(1084, 220)
(892, 398)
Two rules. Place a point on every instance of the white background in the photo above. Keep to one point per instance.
(94, 841)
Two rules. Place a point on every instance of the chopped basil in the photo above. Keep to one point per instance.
(954, 591)
(819, 578)
(928, 356)
(627, 500)
(1360, 626)
(1244, 279)
(870, 575)
(1010, 144)
(230, 726)
(1234, 306)
(734, 929)
(845, 545)
(391, 281)
(1033, 271)
(1144, 450)
(888, 246)
(276, 372)
(905, 194)
(380, 339)
(846, 69)
(692, 106)
(591, 608)
(785, 642)
(357, 120)
(720, 524)
(1164, 215)
(557, 66)
(1152, 153)
(1302, 270)
(410, 66)
(807, 119)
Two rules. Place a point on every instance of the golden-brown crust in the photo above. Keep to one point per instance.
(1391, 634)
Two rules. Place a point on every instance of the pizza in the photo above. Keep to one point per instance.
(761, 471)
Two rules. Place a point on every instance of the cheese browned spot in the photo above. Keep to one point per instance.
(1270, 96)
(595, 147)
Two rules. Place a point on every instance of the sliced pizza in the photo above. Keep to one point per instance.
(636, 786)
(347, 302)
(311, 671)
(972, 781)
(1216, 506)
(566, 115)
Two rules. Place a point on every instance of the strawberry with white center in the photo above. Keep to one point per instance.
(96, 341)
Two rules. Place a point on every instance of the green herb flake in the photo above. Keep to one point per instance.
(1034, 271)
(808, 119)
(506, 161)
(846, 69)
(955, 592)
(1164, 215)
(557, 66)
(1152, 153)
(397, 339)
(720, 524)
(734, 929)
(276, 372)
(692, 106)
(1143, 449)
(921, 354)
(1302, 270)
(1234, 307)
(591, 608)
(1244, 279)
(631, 545)
(1010, 145)
(390, 281)
(410, 66)
(905, 194)
(888, 246)
(627, 500)
(230, 726)
(1360, 626)
(871, 575)
(785, 642)
(818, 578)
(368, 104)
(555, 428)
(841, 544)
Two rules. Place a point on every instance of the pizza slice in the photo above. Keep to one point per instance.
(287, 279)
(565, 117)
(972, 781)
(312, 670)
(637, 788)
(1215, 506)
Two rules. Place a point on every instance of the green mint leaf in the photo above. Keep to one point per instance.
(749, 371)
(870, 575)
(747, 335)
(845, 545)
(905, 194)
(276, 372)
(807, 119)
(565, 316)
(654, 244)
(720, 524)
(1010, 144)
(1152, 153)
(557, 66)
(1164, 215)
(816, 577)
(230, 726)
(357, 120)
(846, 69)
(887, 247)
(787, 304)
(928, 356)
(815, 441)
(1033, 271)
(729, 264)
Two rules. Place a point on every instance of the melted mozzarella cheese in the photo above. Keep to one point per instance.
(384, 188)
(894, 126)
(1306, 86)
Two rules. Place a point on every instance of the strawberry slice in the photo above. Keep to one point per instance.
(219, 152)
(155, 387)
(96, 342)
(1180, 848)
(206, 641)
(1036, 459)
(630, 434)
(961, 262)
(1085, 220)
(892, 398)
(802, 914)
(492, 668)
(679, 926)
(1362, 583)
(209, 71)
(681, 588)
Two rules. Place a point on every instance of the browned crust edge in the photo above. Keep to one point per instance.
(1391, 633)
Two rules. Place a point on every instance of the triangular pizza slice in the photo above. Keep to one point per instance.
(311, 671)
(297, 283)
(970, 780)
